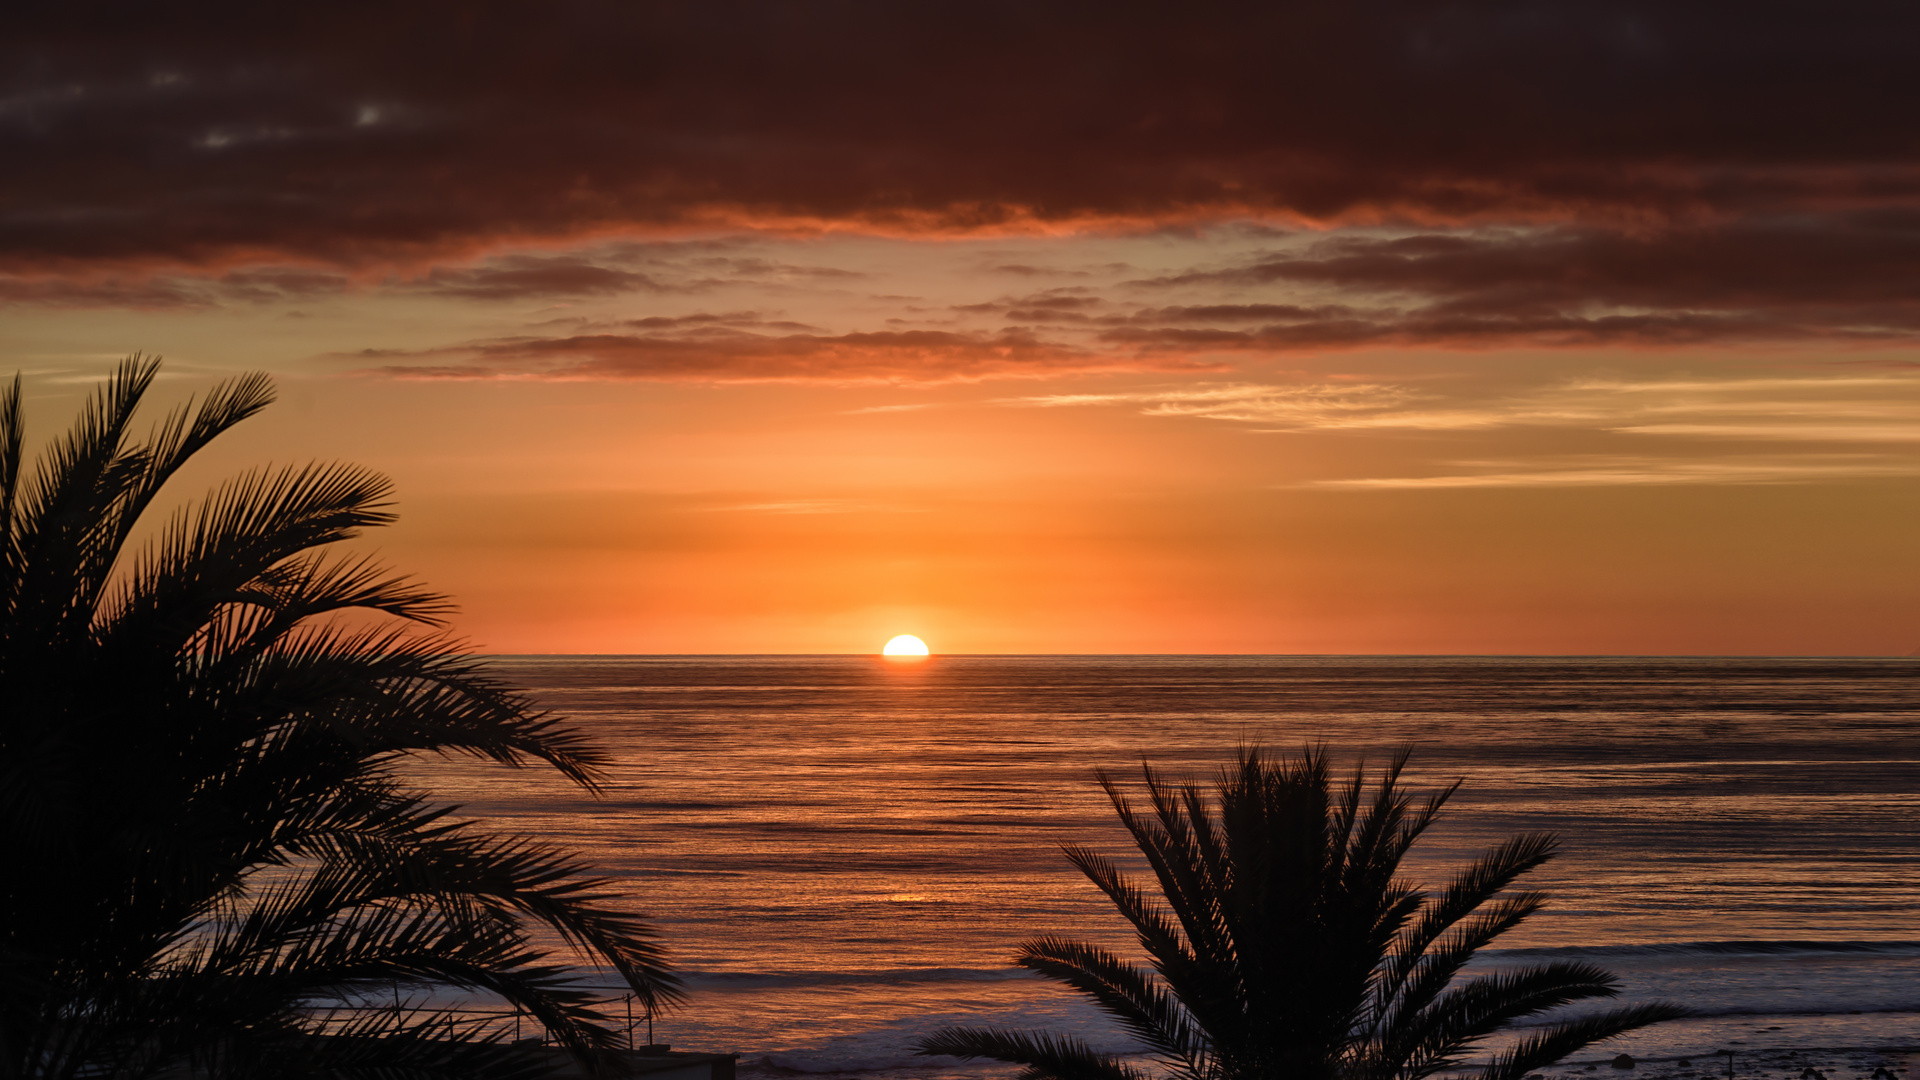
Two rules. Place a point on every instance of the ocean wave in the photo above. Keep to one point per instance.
(893, 1057)
(887, 1057)
(859, 1063)
(1911, 1006)
(1706, 1011)
(1715, 948)
(1658, 950)
(1669, 951)
(759, 979)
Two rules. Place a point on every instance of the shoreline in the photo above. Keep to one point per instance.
(1825, 1063)
(1749, 1063)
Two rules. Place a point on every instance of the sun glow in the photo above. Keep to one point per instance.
(906, 646)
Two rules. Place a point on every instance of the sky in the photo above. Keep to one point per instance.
(1025, 327)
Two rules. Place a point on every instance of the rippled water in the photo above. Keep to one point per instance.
(844, 851)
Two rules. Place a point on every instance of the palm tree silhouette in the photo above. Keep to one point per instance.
(208, 841)
(1283, 943)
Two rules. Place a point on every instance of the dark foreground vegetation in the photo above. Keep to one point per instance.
(1284, 943)
(206, 838)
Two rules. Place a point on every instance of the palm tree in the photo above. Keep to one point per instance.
(211, 854)
(1283, 944)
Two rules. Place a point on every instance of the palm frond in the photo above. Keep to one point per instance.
(225, 549)
(1492, 872)
(1435, 1038)
(1415, 971)
(1157, 933)
(384, 690)
(12, 436)
(1540, 1050)
(1167, 840)
(1199, 961)
(1046, 1057)
(1125, 992)
(64, 528)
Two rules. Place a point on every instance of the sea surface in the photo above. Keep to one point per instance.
(843, 853)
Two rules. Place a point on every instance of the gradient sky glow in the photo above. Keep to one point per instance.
(1571, 328)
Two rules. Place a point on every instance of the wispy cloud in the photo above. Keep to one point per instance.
(917, 407)
(1316, 405)
(1708, 428)
(1879, 408)
(811, 506)
(1614, 472)
(816, 506)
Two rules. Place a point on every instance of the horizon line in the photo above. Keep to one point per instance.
(1221, 655)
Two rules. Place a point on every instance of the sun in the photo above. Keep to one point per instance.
(906, 646)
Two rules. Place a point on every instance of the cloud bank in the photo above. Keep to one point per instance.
(354, 132)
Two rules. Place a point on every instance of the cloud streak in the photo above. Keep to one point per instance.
(1708, 430)
(529, 277)
(159, 292)
(1814, 408)
(726, 355)
(1635, 472)
(1305, 407)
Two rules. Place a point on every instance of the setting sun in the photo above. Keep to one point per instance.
(905, 645)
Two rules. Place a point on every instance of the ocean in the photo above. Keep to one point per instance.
(844, 852)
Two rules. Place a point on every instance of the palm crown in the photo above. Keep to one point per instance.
(208, 839)
(1284, 944)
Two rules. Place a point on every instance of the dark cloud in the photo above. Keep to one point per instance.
(917, 356)
(1802, 260)
(269, 284)
(611, 271)
(770, 270)
(1841, 276)
(603, 271)
(109, 291)
(1049, 314)
(525, 277)
(1052, 306)
(152, 291)
(1232, 313)
(702, 320)
(1024, 270)
(1422, 328)
(355, 132)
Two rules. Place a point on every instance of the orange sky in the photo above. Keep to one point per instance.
(1698, 499)
(791, 346)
